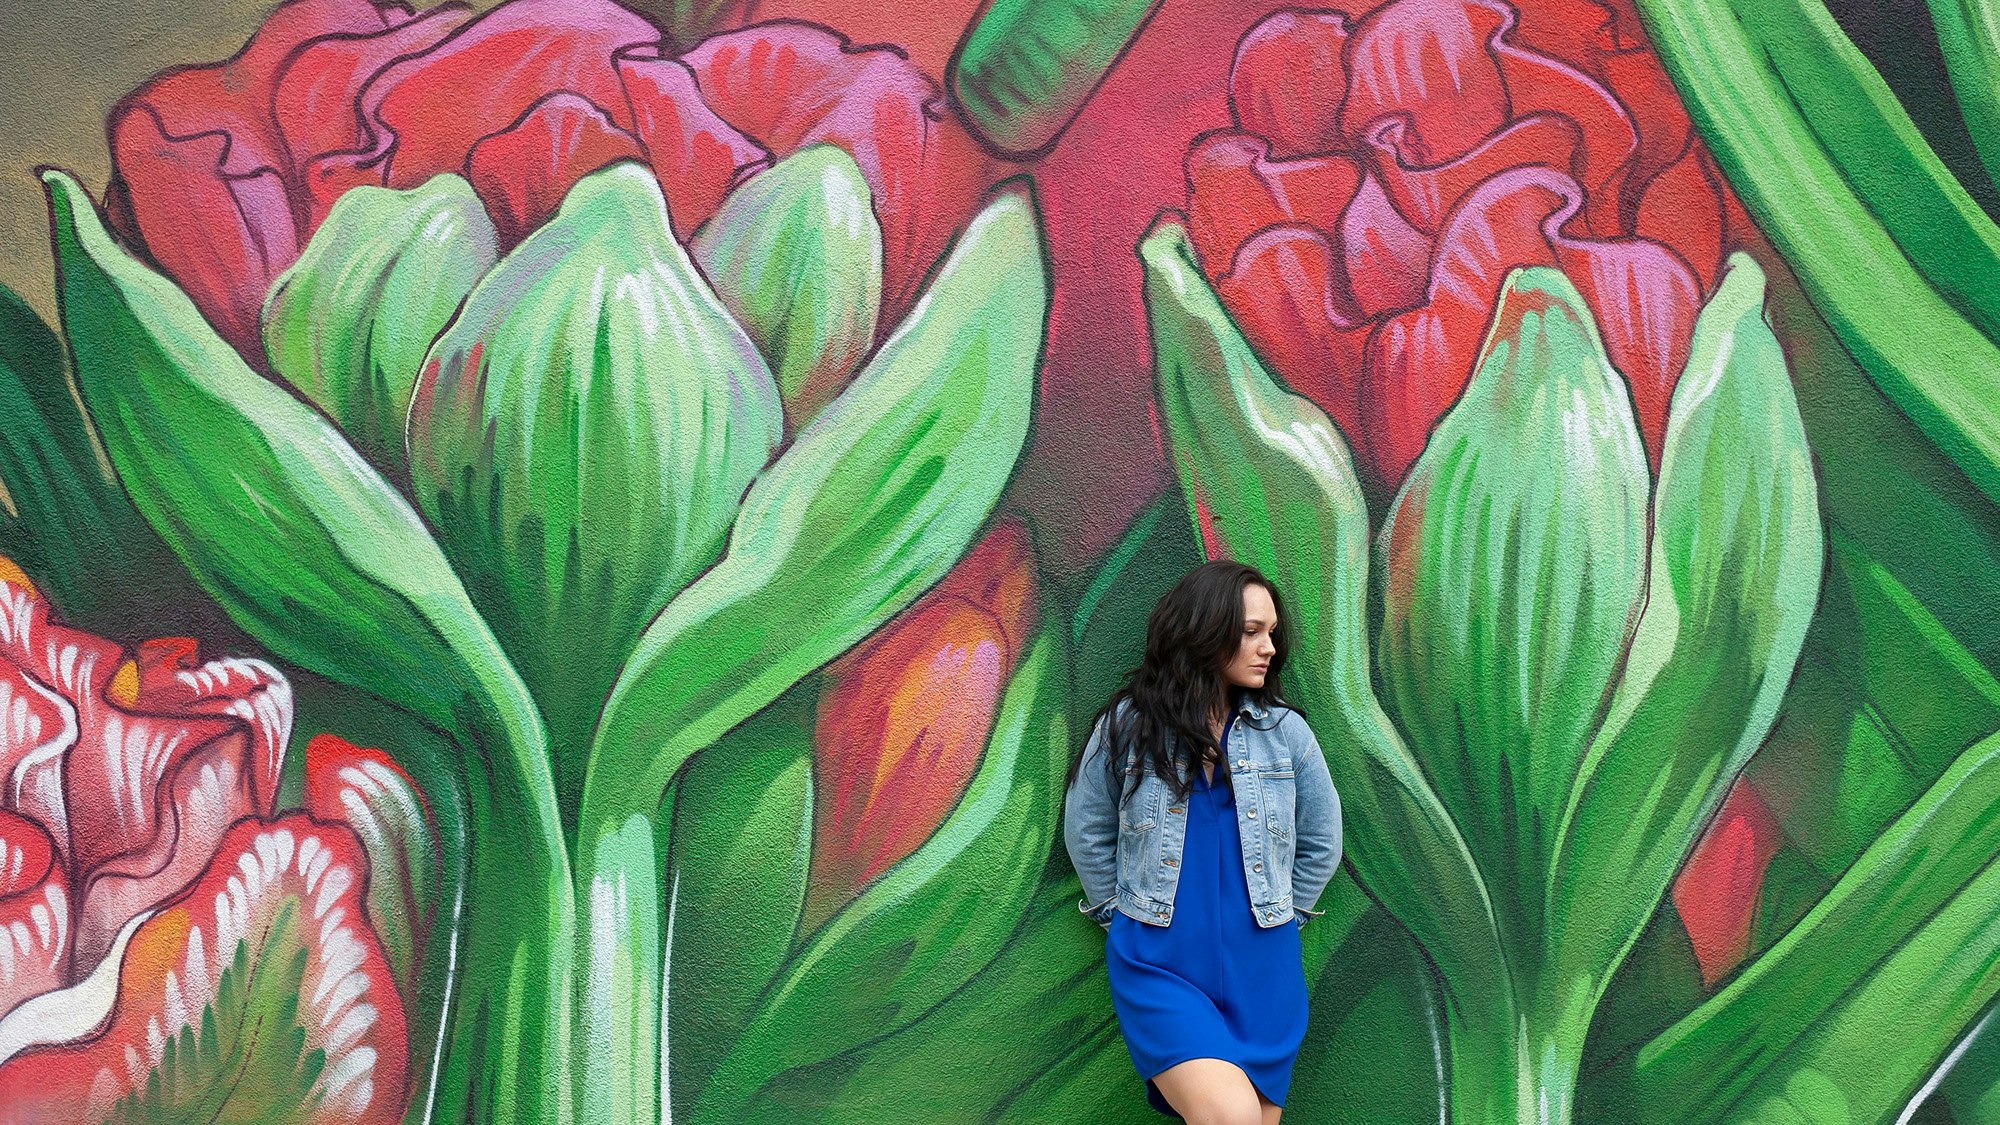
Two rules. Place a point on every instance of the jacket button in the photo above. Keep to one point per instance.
(1242, 761)
(1171, 862)
(1176, 812)
(1253, 814)
(1256, 867)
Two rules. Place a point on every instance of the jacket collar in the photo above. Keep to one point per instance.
(1247, 706)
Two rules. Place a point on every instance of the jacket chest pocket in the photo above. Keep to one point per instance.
(1138, 801)
(1280, 789)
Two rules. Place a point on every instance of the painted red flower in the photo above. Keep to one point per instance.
(123, 773)
(159, 922)
(1389, 165)
(223, 172)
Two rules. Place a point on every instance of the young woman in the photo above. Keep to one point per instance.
(1203, 825)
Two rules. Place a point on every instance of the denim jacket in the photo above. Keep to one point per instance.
(1127, 847)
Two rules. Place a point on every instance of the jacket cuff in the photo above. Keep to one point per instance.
(1100, 913)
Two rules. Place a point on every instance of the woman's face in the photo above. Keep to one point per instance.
(1254, 650)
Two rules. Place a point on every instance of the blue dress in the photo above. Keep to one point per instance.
(1212, 984)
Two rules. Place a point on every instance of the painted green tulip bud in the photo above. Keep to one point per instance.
(582, 434)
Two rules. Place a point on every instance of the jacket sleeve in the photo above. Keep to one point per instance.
(1318, 816)
(1090, 829)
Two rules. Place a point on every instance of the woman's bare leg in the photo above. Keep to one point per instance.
(1271, 1111)
(1211, 1092)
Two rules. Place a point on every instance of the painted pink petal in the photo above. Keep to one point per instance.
(153, 790)
(365, 789)
(1427, 61)
(203, 174)
(1288, 83)
(486, 76)
(1426, 194)
(789, 85)
(523, 172)
(1387, 260)
(1236, 190)
(1287, 296)
(332, 146)
(34, 913)
(55, 679)
(179, 961)
(696, 155)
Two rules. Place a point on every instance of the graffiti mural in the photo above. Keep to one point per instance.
(554, 555)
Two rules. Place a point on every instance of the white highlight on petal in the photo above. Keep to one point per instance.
(68, 1013)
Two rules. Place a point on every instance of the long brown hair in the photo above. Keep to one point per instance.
(1193, 632)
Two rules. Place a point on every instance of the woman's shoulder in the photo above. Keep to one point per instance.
(1288, 721)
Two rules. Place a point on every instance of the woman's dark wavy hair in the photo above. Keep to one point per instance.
(1193, 632)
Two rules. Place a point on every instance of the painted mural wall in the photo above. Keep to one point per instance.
(554, 555)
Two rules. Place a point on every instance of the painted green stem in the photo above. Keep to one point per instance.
(1512, 1065)
(508, 1056)
(620, 1005)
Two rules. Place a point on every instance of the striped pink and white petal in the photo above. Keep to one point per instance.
(265, 971)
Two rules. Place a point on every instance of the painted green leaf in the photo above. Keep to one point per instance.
(1512, 565)
(1924, 355)
(796, 254)
(1968, 35)
(1276, 483)
(1016, 1020)
(933, 921)
(348, 324)
(63, 518)
(581, 437)
(735, 881)
(1025, 70)
(870, 507)
(1375, 1037)
(1733, 580)
(1905, 939)
(1881, 154)
(324, 564)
